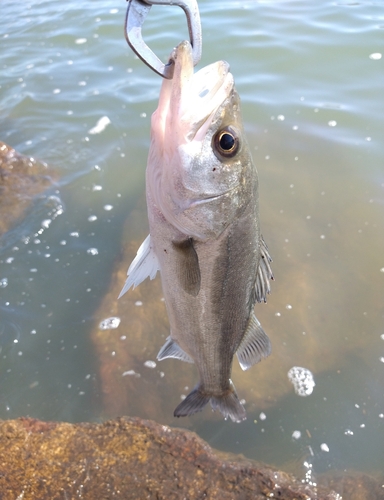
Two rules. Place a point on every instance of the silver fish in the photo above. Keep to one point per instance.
(202, 198)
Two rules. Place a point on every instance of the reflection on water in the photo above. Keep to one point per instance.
(73, 95)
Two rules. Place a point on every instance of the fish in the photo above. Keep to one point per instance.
(202, 202)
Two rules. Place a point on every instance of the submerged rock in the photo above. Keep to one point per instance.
(130, 458)
(302, 335)
(21, 179)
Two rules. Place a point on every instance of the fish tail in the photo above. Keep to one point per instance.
(228, 404)
(194, 402)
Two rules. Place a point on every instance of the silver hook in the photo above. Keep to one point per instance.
(138, 10)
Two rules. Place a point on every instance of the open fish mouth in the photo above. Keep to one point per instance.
(190, 100)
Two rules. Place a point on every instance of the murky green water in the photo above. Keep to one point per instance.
(311, 78)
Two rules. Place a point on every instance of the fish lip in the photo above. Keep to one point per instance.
(192, 99)
(210, 94)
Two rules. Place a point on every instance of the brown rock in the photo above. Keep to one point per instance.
(21, 179)
(131, 459)
(354, 486)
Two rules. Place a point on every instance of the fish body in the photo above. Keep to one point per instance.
(202, 199)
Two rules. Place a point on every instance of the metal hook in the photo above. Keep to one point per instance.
(138, 10)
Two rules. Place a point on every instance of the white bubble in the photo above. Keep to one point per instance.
(375, 56)
(296, 435)
(96, 187)
(138, 303)
(110, 323)
(101, 125)
(108, 207)
(92, 218)
(56, 91)
(80, 41)
(262, 416)
(46, 223)
(348, 432)
(281, 118)
(3, 282)
(302, 380)
(324, 447)
(332, 123)
(131, 373)
(92, 251)
(150, 364)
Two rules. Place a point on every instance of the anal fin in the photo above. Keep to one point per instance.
(172, 350)
(144, 265)
(255, 344)
(187, 266)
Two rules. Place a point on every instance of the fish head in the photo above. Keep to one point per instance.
(200, 172)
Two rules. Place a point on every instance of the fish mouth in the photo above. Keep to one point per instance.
(190, 100)
(211, 86)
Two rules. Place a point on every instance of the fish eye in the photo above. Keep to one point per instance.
(226, 142)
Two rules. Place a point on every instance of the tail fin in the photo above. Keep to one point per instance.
(228, 404)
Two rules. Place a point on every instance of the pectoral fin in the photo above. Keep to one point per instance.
(143, 265)
(264, 273)
(172, 350)
(254, 346)
(187, 266)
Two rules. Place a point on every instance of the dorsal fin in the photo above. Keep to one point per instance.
(143, 265)
(264, 273)
(254, 346)
(187, 266)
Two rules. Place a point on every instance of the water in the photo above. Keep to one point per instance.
(311, 77)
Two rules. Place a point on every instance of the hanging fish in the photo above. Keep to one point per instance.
(202, 198)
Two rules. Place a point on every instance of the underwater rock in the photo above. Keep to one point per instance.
(21, 179)
(130, 458)
(301, 335)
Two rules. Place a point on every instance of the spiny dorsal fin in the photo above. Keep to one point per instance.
(187, 266)
(143, 265)
(264, 273)
(255, 345)
(172, 350)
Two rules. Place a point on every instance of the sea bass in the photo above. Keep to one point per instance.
(202, 199)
